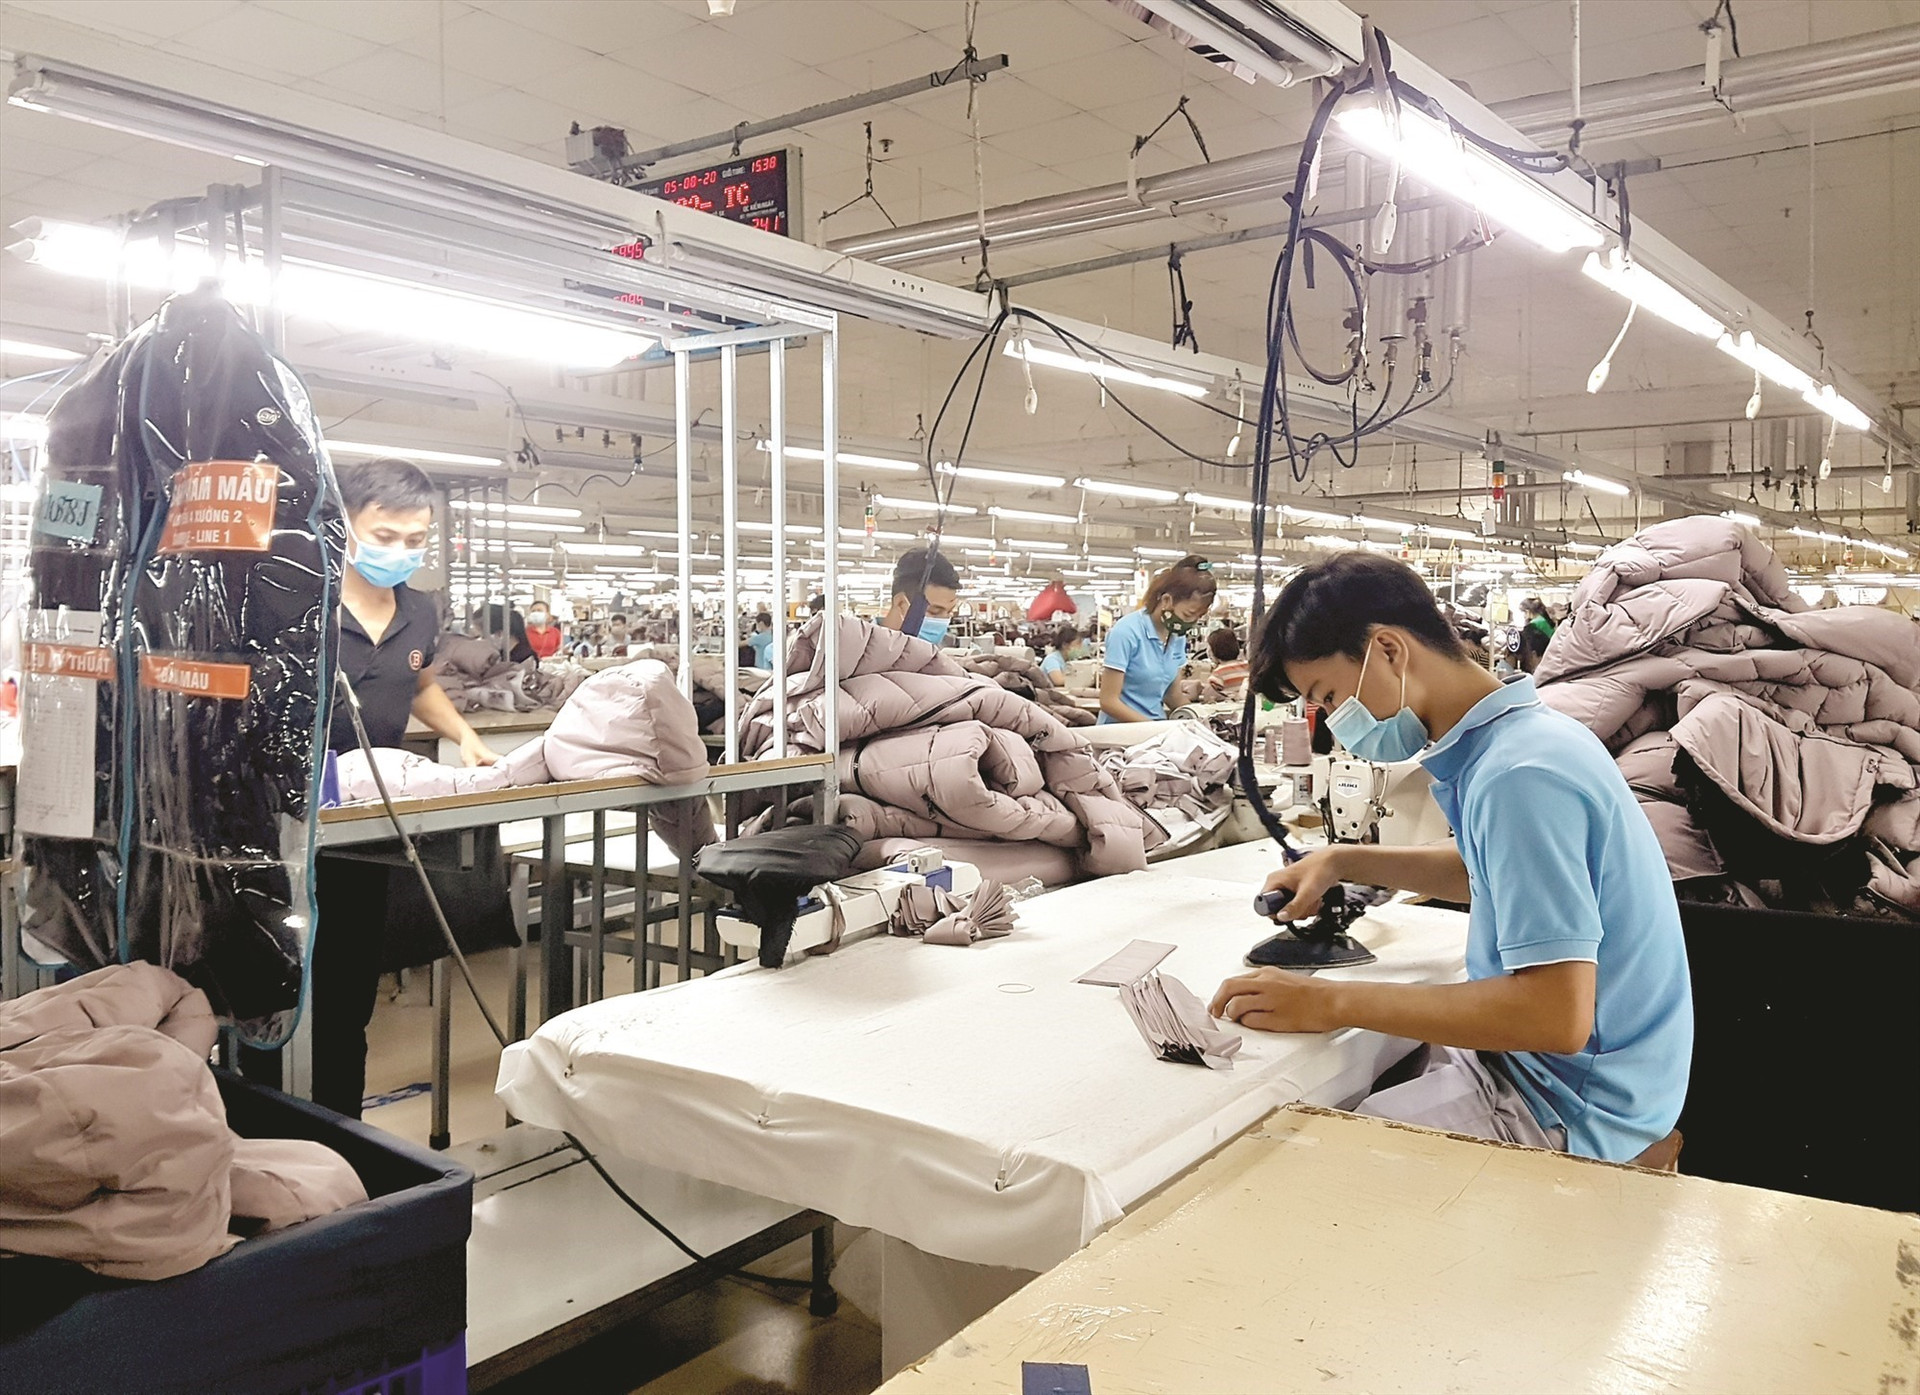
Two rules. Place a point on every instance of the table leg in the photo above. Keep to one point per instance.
(440, 1136)
(685, 892)
(556, 920)
(597, 915)
(823, 1302)
(517, 956)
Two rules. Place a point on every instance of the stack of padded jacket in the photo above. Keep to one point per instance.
(929, 751)
(1775, 749)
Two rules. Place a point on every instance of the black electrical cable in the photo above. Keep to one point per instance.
(493, 1023)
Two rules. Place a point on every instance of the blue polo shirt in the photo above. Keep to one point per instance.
(1564, 866)
(1134, 647)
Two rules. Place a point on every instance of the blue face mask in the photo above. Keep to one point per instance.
(385, 566)
(1401, 737)
(932, 630)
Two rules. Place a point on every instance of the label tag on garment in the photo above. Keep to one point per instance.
(68, 510)
(225, 681)
(59, 720)
(221, 506)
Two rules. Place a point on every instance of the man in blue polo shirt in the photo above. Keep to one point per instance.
(1575, 1028)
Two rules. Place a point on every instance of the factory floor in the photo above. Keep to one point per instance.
(726, 1339)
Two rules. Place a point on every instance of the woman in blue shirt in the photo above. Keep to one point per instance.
(1147, 649)
(1068, 646)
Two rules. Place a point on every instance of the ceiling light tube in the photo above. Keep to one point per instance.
(1765, 361)
(23, 428)
(1172, 552)
(873, 462)
(1032, 515)
(1431, 152)
(995, 475)
(1214, 501)
(524, 510)
(1128, 491)
(802, 528)
(1745, 520)
(1634, 282)
(1313, 516)
(1038, 545)
(1022, 347)
(920, 505)
(330, 295)
(1839, 408)
(605, 549)
(878, 534)
(430, 457)
(527, 525)
(20, 348)
(1595, 482)
(1454, 534)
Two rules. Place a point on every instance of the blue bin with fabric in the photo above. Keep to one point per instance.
(371, 1300)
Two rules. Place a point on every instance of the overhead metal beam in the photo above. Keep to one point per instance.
(967, 70)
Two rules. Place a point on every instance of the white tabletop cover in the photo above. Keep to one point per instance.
(976, 1103)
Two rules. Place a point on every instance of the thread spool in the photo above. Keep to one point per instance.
(1296, 741)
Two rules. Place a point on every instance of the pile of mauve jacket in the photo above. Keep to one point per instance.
(114, 1148)
(1775, 749)
(929, 751)
(212, 570)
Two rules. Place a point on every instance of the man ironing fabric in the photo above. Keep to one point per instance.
(1575, 1028)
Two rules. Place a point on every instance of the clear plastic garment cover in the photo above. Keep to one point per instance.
(199, 611)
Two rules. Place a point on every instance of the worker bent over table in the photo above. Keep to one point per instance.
(1574, 1030)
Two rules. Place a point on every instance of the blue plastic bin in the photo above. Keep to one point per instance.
(369, 1299)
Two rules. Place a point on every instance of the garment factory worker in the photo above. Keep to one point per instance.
(1229, 674)
(1146, 650)
(1534, 634)
(924, 572)
(761, 640)
(1574, 1030)
(618, 640)
(388, 633)
(543, 636)
(1067, 647)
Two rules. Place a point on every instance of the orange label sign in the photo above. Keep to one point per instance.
(222, 506)
(70, 661)
(195, 679)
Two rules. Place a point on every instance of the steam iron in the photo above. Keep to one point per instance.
(1319, 943)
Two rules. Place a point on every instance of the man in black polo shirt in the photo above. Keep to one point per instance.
(387, 638)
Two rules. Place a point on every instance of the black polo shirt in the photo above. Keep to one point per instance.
(385, 675)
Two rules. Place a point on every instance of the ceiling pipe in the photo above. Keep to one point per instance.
(1866, 65)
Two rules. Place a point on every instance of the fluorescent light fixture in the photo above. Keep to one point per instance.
(1382, 525)
(330, 295)
(803, 528)
(1172, 552)
(845, 457)
(1454, 534)
(528, 525)
(1037, 545)
(522, 510)
(1625, 278)
(1582, 549)
(920, 505)
(1214, 501)
(20, 348)
(23, 428)
(1595, 482)
(1033, 515)
(1815, 535)
(1765, 361)
(1022, 347)
(1745, 520)
(878, 534)
(1105, 557)
(430, 457)
(1839, 408)
(653, 533)
(994, 475)
(604, 549)
(1430, 152)
(1313, 516)
(1128, 491)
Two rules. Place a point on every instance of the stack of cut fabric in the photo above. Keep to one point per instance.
(1182, 779)
(1019, 674)
(477, 678)
(1776, 749)
(932, 753)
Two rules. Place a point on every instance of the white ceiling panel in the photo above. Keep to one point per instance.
(497, 49)
(152, 19)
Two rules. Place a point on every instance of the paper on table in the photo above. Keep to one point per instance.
(1175, 1025)
(1137, 960)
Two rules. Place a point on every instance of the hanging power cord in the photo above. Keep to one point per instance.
(493, 1024)
(1183, 335)
(866, 195)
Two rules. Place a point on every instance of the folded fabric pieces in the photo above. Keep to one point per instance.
(1175, 1025)
(945, 918)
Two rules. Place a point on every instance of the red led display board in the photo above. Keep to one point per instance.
(762, 191)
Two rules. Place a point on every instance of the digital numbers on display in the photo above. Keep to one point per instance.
(752, 190)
